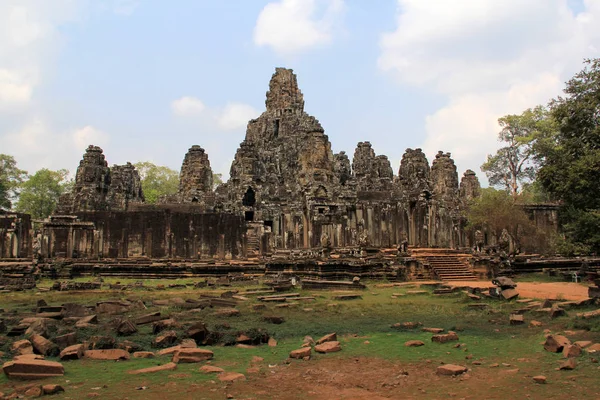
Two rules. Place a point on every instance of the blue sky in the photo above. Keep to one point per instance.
(147, 79)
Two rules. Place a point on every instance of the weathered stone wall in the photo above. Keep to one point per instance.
(16, 235)
(158, 232)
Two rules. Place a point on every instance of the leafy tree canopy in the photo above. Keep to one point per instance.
(495, 211)
(514, 165)
(40, 193)
(570, 162)
(157, 180)
(10, 179)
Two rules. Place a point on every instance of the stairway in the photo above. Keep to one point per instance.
(252, 245)
(445, 264)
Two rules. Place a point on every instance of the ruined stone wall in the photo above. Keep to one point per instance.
(157, 233)
(16, 235)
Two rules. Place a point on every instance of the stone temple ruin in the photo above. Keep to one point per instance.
(289, 197)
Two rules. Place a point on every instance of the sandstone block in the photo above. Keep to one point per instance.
(73, 352)
(33, 369)
(107, 354)
(451, 369)
(166, 367)
(300, 353)
(328, 347)
(187, 355)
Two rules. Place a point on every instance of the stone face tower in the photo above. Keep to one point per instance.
(98, 188)
(125, 187)
(285, 154)
(92, 182)
(196, 177)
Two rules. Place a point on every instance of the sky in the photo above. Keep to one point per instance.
(147, 79)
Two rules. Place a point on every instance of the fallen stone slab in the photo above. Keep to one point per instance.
(28, 357)
(189, 355)
(112, 307)
(107, 354)
(590, 314)
(583, 343)
(272, 342)
(165, 339)
(66, 340)
(328, 347)
(143, 354)
(541, 379)
(556, 343)
(449, 337)
(331, 337)
(594, 348)
(211, 369)
(126, 328)
(451, 369)
(73, 352)
(165, 367)
(509, 294)
(571, 350)
(148, 318)
(417, 292)
(433, 330)
(414, 343)
(22, 347)
(227, 312)
(231, 377)
(43, 346)
(516, 319)
(52, 389)
(569, 364)
(32, 369)
(300, 353)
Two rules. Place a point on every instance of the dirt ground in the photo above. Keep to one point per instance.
(375, 379)
(540, 290)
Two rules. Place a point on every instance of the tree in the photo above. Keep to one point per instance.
(570, 163)
(496, 211)
(217, 180)
(157, 181)
(40, 193)
(10, 179)
(515, 164)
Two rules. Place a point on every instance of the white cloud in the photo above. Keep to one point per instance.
(187, 105)
(29, 38)
(15, 89)
(293, 26)
(235, 116)
(36, 145)
(231, 117)
(488, 58)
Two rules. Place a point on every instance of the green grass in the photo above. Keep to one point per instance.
(485, 334)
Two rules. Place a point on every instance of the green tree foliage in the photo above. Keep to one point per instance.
(570, 162)
(157, 181)
(515, 164)
(217, 180)
(10, 179)
(496, 210)
(39, 194)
